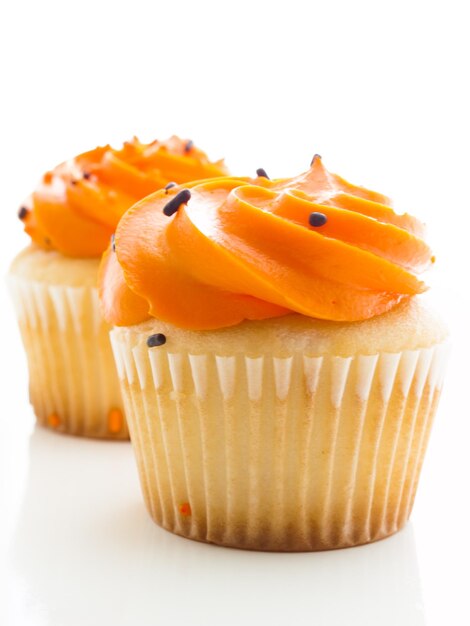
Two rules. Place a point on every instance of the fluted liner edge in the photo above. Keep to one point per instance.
(294, 453)
(73, 383)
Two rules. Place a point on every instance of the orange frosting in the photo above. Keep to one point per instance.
(77, 206)
(242, 249)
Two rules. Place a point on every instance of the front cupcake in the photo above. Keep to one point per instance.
(279, 374)
(70, 218)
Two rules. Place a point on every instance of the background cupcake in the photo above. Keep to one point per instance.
(70, 218)
(292, 431)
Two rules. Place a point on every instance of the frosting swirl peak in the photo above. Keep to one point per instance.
(78, 204)
(241, 249)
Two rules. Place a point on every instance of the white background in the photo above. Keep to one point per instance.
(380, 90)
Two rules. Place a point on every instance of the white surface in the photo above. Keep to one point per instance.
(380, 90)
(79, 548)
(92, 556)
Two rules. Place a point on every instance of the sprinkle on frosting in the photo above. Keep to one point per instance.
(174, 204)
(113, 242)
(158, 339)
(317, 219)
(169, 186)
(262, 172)
(315, 157)
(188, 146)
(23, 212)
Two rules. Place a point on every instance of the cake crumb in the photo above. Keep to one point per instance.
(115, 420)
(53, 420)
(185, 509)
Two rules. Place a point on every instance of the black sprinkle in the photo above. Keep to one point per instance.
(174, 204)
(189, 146)
(113, 242)
(315, 157)
(261, 172)
(47, 241)
(169, 186)
(156, 340)
(317, 219)
(73, 182)
(23, 212)
(86, 175)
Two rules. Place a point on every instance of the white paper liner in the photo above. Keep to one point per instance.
(296, 453)
(73, 382)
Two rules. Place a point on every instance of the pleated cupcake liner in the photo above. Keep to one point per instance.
(73, 383)
(294, 453)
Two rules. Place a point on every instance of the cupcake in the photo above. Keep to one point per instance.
(279, 368)
(70, 218)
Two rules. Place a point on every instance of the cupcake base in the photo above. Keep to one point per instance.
(73, 383)
(286, 450)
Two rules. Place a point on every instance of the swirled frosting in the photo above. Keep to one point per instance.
(237, 249)
(77, 205)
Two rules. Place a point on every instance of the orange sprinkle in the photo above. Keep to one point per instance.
(115, 420)
(53, 420)
(185, 509)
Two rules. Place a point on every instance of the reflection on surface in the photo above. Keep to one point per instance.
(86, 553)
